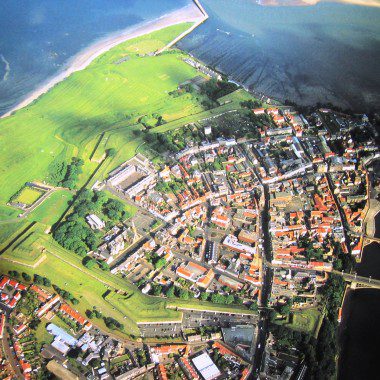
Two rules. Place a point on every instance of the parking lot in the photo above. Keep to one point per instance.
(150, 330)
(193, 318)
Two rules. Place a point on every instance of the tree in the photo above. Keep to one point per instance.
(103, 265)
(157, 289)
(75, 301)
(159, 263)
(88, 262)
(90, 314)
(26, 276)
(114, 209)
(46, 282)
(218, 298)
(38, 279)
(14, 273)
(111, 152)
(204, 296)
(170, 292)
(101, 197)
(184, 294)
(253, 306)
(284, 309)
(272, 316)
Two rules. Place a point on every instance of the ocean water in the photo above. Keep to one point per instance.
(329, 52)
(38, 37)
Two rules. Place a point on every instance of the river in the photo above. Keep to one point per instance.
(360, 329)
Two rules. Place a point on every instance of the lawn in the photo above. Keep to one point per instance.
(8, 229)
(178, 123)
(41, 333)
(92, 101)
(25, 246)
(29, 195)
(8, 213)
(52, 208)
(239, 95)
(308, 320)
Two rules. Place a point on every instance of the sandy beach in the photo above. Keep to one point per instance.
(189, 13)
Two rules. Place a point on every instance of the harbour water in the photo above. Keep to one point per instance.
(359, 330)
(38, 38)
(307, 54)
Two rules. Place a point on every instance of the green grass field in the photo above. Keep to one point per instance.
(8, 229)
(90, 102)
(52, 208)
(308, 320)
(29, 195)
(27, 248)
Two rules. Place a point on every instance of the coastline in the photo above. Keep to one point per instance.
(190, 13)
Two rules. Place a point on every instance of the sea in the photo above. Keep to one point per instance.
(38, 37)
(327, 53)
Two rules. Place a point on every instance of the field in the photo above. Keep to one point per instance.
(92, 101)
(28, 195)
(8, 229)
(52, 208)
(25, 246)
(308, 321)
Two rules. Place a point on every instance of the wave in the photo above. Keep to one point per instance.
(7, 69)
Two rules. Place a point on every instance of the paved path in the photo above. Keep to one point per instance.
(9, 353)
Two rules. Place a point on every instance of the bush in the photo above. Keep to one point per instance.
(111, 152)
(14, 273)
(88, 262)
(25, 276)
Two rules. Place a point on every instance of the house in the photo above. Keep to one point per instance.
(4, 281)
(48, 305)
(19, 329)
(231, 242)
(95, 222)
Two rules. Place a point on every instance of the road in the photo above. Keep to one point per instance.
(367, 281)
(263, 325)
(9, 353)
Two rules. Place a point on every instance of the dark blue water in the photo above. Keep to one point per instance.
(326, 53)
(37, 37)
(360, 330)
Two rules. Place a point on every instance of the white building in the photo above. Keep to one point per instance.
(206, 367)
(95, 222)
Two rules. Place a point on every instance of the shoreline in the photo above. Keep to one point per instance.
(190, 13)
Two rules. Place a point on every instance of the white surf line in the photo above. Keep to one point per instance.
(7, 68)
(88, 55)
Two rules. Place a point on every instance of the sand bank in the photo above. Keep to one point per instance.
(189, 13)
